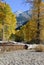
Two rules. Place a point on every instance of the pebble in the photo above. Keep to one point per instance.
(22, 57)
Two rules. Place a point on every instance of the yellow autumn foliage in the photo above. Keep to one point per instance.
(7, 20)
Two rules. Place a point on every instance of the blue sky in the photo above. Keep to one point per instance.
(17, 5)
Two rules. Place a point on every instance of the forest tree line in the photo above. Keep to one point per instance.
(27, 32)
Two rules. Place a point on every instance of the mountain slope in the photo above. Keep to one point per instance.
(22, 18)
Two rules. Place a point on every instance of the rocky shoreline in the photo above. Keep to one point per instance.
(22, 57)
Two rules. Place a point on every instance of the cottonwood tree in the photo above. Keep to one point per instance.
(7, 21)
(37, 15)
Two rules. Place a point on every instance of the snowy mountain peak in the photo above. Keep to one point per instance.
(18, 12)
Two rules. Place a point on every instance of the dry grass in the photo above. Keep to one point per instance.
(12, 48)
(39, 48)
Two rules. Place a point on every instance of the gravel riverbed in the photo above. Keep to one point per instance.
(22, 57)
